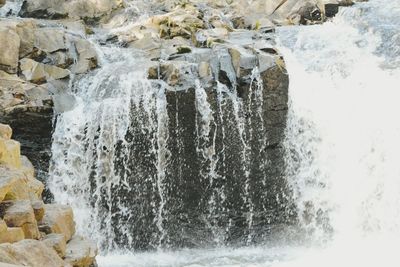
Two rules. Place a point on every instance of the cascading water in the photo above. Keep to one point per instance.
(119, 155)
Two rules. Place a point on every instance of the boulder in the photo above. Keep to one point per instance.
(50, 40)
(39, 73)
(12, 235)
(9, 51)
(80, 252)
(10, 153)
(57, 242)
(15, 185)
(31, 253)
(90, 10)
(58, 219)
(20, 214)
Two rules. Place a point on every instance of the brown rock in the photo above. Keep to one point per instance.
(31, 253)
(13, 234)
(10, 153)
(20, 214)
(9, 51)
(16, 185)
(56, 241)
(3, 226)
(38, 209)
(80, 252)
(58, 219)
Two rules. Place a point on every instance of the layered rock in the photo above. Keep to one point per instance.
(31, 233)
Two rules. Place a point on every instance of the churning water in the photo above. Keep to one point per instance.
(342, 153)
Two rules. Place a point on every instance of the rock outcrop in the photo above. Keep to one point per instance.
(89, 10)
(36, 63)
(31, 233)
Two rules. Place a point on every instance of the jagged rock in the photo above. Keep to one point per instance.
(87, 57)
(57, 242)
(12, 235)
(58, 219)
(50, 40)
(20, 214)
(5, 131)
(38, 209)
(14, 184)
(90, 10)
(31, 253)
(39, 73)
(80, 252)
(9, 50)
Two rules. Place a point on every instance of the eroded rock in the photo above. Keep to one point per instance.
(58, 219)
(57, 242)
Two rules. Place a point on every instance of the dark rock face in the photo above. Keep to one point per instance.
(222, 180)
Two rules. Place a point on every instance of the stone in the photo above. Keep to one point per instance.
(2, 3)
(9, 51)
(57, 242)
(20, 214)
(38, 209)
(5, 131)
(50, 40)
(3, 226)
(10, 153)
(31, 253)
(89, 10)
(15, 185)
(13, 234)
(39, 73)
(87, 56)
(80, 252)
(58, 219)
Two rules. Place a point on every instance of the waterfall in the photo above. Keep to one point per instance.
(341, 135)
(153, 166)
(147, 166)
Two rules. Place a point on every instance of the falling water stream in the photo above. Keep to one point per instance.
(342, 154)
